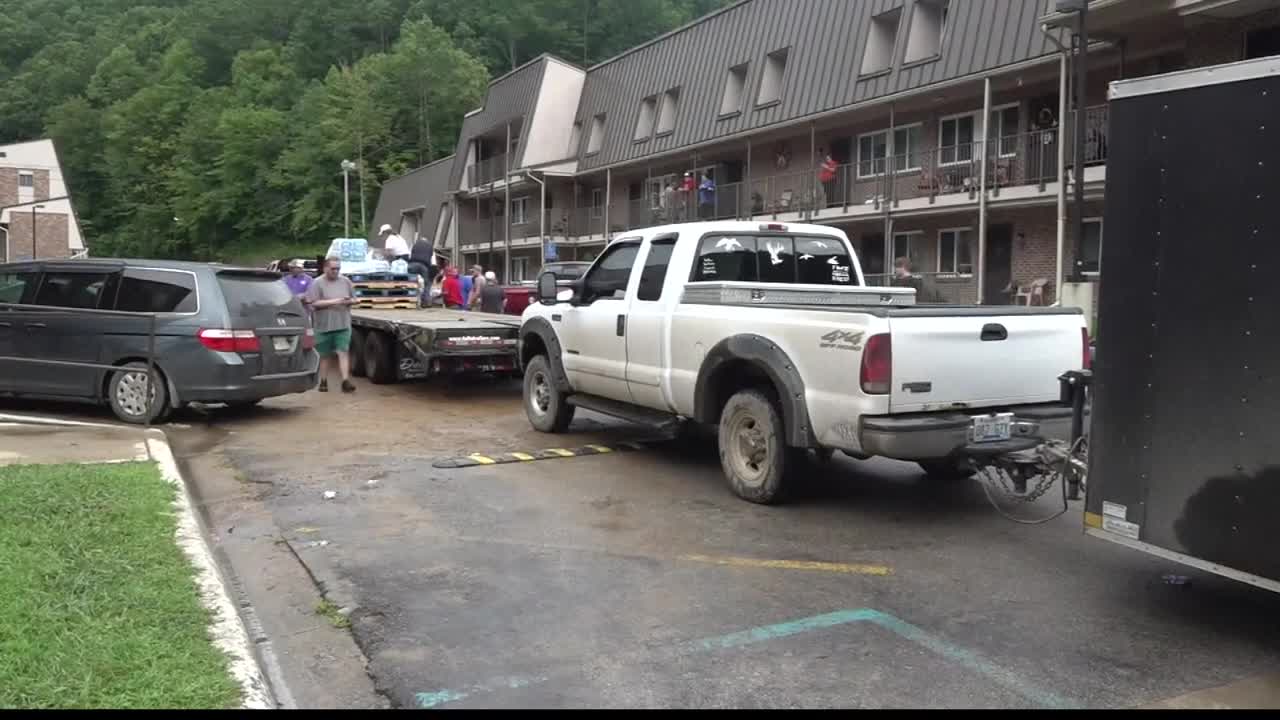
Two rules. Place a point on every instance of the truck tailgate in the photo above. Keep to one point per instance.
(982, 359)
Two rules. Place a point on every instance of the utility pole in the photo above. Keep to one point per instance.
(347, 167)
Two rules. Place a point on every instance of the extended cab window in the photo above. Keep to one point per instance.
(609, 278)
(160, 291)
(80, 290)
(654, 274)
(726, 258)
(823, 261)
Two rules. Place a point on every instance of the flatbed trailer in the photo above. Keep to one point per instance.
(390, 346)
(1184, 459)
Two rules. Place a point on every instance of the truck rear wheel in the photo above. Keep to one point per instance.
(547, 408)
(379, 358)
(357, 352)
(753, 451)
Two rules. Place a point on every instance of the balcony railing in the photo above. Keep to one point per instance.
(491, 169)
(934, 288)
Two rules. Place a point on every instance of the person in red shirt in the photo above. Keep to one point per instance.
(451, 289)
(827, 180)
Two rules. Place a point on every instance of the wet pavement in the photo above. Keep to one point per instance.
(635, 579)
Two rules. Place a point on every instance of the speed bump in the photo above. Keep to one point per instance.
(474, 459)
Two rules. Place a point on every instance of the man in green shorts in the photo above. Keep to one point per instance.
(330, 298)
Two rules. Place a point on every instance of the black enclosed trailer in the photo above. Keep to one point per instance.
(1184, 456)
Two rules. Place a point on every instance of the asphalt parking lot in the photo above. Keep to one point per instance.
(634, 578)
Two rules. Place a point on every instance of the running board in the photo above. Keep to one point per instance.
(653, 419)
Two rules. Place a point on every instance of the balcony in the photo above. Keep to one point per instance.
(491, 169)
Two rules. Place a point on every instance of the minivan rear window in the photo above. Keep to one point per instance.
(248, 293)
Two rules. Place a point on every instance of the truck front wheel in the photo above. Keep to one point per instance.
(753, 452)
(545, 405)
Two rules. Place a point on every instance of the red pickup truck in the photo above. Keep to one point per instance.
(520, 295)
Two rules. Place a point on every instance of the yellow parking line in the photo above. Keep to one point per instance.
(600, 448)
(482, 459)
(846, 568)
(560, 451)
(523, 456)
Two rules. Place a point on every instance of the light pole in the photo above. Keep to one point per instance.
(347, 167)
(34, 208)
(542, 215)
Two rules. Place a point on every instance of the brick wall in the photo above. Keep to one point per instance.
(51, 235)
(8, 186)
(1223, 41)
(40, 180)
(1035, 240)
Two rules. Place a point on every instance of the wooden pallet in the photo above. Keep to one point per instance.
(362, 292)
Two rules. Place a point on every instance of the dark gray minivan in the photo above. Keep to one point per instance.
(222, 334)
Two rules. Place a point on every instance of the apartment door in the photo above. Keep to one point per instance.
(999, 266)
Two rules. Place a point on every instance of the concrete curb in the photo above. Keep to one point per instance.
(227, 628)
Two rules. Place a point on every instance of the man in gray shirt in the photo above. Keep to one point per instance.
(330, 298)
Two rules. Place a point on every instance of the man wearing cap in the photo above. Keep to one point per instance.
(298, 280)
(396, 247)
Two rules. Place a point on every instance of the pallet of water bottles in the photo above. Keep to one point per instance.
(386, 292)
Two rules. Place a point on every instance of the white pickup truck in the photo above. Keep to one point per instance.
(768, 331)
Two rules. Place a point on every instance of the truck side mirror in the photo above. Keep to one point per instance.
(547, 288)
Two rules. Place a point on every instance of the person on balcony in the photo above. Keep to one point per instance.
(687, 191)
(826, 178)
(706, 196)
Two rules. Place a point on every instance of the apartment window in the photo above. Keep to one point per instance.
(596, 140)
(1002, 131)
(597, 202)
(775, 67)
(519, 210)
(873, 151)
(954, 256)
(1091, 248)
(955, 139)
(908, 245)
(644, 124)
(667, 112)
(924, 36)
(26, 179)
(519, 269)
(575, 138)
(734, 87)
(878, 55)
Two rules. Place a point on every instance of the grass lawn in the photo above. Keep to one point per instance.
(98, 606)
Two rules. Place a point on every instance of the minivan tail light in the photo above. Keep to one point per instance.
(1087, 361)
(877, 365)
(309, 339)
(237, 341)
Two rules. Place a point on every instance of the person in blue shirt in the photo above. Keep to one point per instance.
(466, 290)
(707, 195)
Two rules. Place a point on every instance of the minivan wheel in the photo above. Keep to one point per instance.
(127, 394)
(547, 408)
(753, 452)
(379, 360)
(357, 352)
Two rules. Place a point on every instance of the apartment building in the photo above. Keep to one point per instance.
(36, 215)
(935, 130)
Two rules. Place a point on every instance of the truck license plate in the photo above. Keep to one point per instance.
(991, 428)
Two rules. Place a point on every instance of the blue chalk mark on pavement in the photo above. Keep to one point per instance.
(433, 699)
(764, 633)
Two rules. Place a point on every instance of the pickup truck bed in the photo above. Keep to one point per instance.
(393, 345)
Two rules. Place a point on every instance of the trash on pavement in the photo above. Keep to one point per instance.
(1177, 580)
(330, 494)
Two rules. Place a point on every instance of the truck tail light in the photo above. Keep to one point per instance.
(877, 365)
(1086, 362)
(309, 339)
(237, 341)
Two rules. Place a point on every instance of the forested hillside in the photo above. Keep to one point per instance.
(200, 128)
